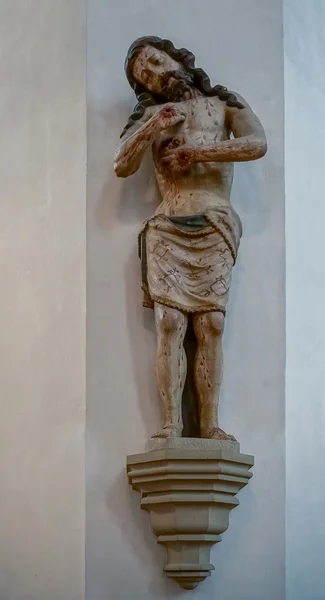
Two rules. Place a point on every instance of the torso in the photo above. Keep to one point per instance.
(203, 186)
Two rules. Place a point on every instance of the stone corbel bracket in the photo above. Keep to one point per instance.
(189, 487)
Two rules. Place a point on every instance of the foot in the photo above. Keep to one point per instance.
(218, 434)
(170, 431)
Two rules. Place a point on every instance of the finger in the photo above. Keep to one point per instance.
(170, 152)
(180, 118)
(167, 159)
(174, 151)
(170, 163)
(173, 166)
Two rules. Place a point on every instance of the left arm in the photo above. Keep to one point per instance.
(249, 141)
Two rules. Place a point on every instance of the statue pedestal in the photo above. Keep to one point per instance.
(188, 486)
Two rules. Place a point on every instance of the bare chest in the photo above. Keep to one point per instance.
(204, 124)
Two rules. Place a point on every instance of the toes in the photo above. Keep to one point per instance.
(167, 432)
(219, 434)
(161, 434)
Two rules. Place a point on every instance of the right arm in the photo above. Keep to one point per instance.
(129, 154)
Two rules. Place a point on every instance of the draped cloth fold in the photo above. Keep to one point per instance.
(187, 261)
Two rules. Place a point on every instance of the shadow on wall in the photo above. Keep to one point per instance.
(248, 196)
(134, 526)
(136, 196)
(141, 320)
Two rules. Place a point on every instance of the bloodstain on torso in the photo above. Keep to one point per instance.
(199, 186)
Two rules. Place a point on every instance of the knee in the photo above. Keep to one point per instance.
(211, 324)
(169, 322)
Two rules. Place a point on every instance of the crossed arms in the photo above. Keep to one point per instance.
(249, 141)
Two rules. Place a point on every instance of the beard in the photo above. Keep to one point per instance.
(175, 85)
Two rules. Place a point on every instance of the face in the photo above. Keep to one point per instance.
(158, 72)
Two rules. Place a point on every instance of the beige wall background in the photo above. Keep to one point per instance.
(42, 300)
(305, 318)
(43, 262)
(43, 296)
(240, 44)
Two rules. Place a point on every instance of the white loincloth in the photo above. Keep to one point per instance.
(190, 269)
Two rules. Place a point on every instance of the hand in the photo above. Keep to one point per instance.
(169, 116)
(179, 158)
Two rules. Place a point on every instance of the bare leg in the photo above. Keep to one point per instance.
(171, 325)
(208, 328)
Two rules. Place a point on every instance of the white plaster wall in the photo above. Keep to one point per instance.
(42, 300)
(240, 44)
(305, 412)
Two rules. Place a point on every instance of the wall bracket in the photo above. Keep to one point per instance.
(189, 487)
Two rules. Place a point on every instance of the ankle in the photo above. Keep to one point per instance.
(175, 427)
(207, 428)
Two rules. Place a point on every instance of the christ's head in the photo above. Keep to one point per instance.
(157, 72)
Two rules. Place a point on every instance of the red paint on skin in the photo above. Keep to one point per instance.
(208, 108)
(184, 157)
(169, 111)
(144, 139)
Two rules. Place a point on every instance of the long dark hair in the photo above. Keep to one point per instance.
(199, 77)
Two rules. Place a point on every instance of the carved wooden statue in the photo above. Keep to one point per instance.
(188, 248)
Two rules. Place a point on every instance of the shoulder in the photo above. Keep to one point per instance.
(244, 118)
(232, 101)
(240, 99)
(242, 110)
